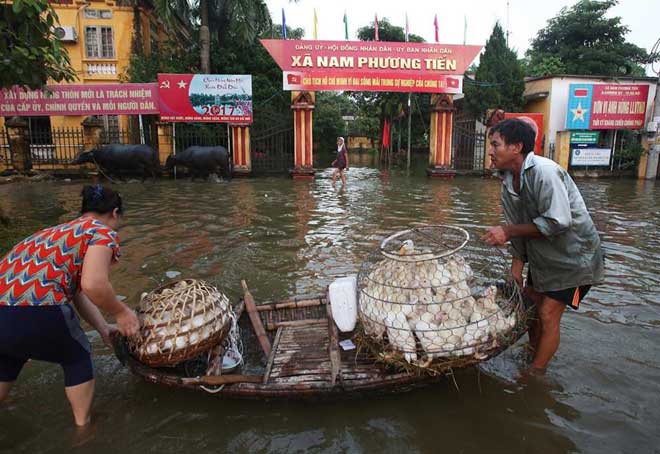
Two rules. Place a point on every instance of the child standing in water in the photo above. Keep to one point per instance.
(341, 163)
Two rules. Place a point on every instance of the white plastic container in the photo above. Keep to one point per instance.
(343, 300)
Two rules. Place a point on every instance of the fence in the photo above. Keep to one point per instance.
(272, 150)
(469, 143)
(55, 148)
(5, 153)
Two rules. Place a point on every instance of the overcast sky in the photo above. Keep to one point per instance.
(524, 19)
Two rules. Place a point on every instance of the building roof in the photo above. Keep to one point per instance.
(582, 76)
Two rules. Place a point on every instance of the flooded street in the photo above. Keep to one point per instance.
(285, 237)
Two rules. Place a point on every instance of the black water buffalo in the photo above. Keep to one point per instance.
(116, 159)
(202, 161)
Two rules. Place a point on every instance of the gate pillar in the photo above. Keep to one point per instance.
(302, 104)
(19, 144)
(240, 150)
(440, 140)
(165, 143)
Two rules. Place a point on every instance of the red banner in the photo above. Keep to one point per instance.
(371, 66)
(537, 118)
(99, 99)
(617, 106)
(205, 98)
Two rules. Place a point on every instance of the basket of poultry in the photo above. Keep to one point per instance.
(431, 298)
(179, 321)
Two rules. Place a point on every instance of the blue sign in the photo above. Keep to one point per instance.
(579, 106)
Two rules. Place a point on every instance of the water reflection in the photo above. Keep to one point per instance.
(288, 237)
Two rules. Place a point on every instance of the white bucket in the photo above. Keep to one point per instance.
(343, 299)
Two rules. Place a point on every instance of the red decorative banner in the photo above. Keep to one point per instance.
(205, 98)
(372, 81)
(616, 106)
(536, 118)
(98, 99)
(371, 66)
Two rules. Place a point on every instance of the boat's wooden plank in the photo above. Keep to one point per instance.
(323, 378)
(299, 371)
(273, 352)
(306, 322)
(310, 302)
(258, 327)
(333, 346)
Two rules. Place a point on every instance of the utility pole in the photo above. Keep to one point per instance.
(507, 23)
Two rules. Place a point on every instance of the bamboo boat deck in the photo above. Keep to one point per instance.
(305, 359)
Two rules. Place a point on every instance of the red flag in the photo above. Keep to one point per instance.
(376, 28)
(386, 134)
(435, 25)
(452, 82)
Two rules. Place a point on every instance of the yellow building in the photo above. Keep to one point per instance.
(549, 96)
(98, 36)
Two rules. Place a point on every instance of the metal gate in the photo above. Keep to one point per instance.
(271, 142)
(469, 144)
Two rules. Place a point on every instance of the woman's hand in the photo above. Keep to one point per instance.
(127, 322)
(106, 334)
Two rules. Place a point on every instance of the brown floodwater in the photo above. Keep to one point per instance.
(601, 393)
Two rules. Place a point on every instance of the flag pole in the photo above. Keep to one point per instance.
(409, 108)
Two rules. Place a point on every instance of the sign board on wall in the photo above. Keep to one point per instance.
(205, 98)
(72, 99)
(586, 137)
(606, 106)
(371, 65)
(537, 118)
(592, 157)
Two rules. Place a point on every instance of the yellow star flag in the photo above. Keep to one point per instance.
(316, 25)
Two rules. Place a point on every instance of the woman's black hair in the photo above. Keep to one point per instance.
(100, 200)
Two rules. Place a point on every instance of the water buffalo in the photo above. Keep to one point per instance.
(115, 159)
(202, 161)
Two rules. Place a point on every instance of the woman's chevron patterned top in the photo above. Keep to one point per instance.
(45, 268)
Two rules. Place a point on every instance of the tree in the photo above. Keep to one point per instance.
(385, 105)
(585, 42)
(498, 81)
(31, 51)
(328, 122)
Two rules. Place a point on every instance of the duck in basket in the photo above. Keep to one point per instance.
(179, 321)
(426, 309)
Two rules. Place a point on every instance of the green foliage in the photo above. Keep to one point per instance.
(498, 81)
(629, 150)
(586, 42)
(384, 105)
(31, 53)
(549, 65)
(328, 122)
(169, 57)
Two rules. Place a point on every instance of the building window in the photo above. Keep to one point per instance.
(99, 42)
(91, 13)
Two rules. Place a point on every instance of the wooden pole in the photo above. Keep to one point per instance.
(258, 327)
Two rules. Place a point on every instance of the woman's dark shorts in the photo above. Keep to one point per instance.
(571, 296)
(44, 333)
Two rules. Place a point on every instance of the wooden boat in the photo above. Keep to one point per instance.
(305, 359)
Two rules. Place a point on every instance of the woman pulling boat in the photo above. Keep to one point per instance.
(42, 276)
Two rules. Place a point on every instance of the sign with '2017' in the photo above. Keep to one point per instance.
(205, 98)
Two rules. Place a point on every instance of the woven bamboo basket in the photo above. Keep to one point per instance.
(433, 298)
(179, 321)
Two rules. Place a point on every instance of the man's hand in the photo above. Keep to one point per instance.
(496, 236)
(516, 271)
(127, 322)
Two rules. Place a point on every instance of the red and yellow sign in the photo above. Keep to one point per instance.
(371, 65)
(618, 106)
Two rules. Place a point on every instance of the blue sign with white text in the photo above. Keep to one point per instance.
(579, 106)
